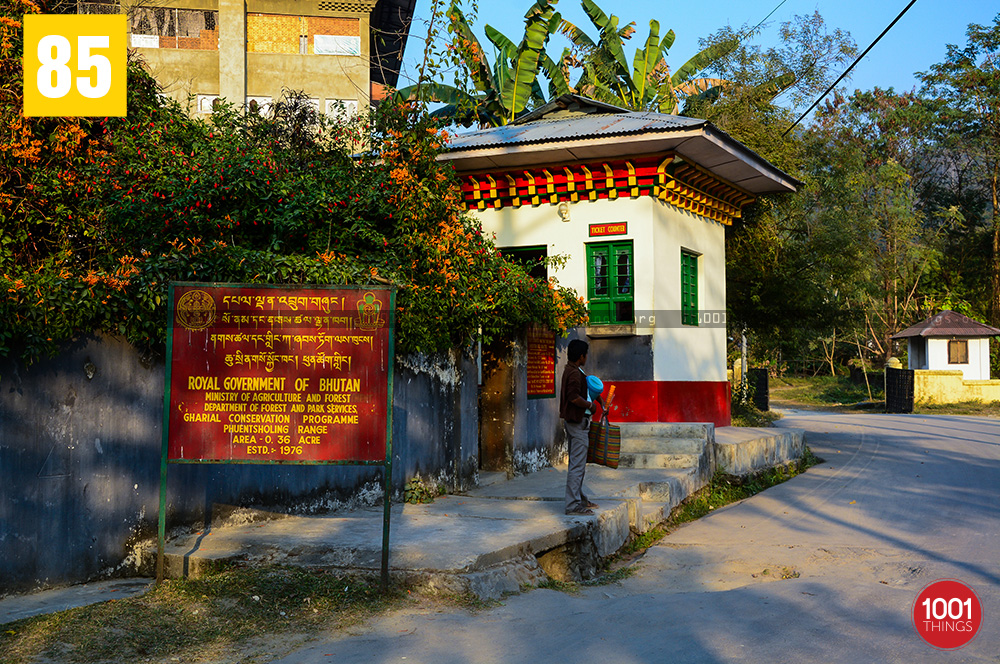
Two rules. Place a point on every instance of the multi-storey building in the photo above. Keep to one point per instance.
(341, 53)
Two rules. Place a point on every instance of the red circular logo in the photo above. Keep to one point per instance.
(947, 614)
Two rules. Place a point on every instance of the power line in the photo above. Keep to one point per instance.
(767, 17)
(848, 70)
(743, 35)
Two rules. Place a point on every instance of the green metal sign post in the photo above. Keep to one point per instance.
(265, 374)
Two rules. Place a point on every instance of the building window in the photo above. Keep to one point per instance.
(610, 283)
(689, 288)
(530, 258)
(336, 45)
(341, 110)
(958, 351)
(259, 105)
(160, 27)
(205, 103)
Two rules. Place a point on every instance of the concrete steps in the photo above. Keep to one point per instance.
(666, 445)
(642, 460)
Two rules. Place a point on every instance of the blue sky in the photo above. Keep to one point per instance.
(916, 42)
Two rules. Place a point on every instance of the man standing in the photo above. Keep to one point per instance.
(575, 409)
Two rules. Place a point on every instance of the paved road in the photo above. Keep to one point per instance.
(899, 502)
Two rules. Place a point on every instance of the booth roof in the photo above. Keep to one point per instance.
(948, 324)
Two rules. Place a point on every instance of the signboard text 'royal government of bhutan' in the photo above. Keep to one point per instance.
(278, 374)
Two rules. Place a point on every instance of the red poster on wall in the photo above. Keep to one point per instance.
(261, 374)
(541, 363)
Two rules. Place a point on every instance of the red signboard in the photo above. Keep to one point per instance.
(260, 374)
(541, 363)
(602, 230)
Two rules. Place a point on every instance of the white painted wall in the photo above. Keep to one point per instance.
(658, 232)
(684, 352)
(535, 226)
(978, 367)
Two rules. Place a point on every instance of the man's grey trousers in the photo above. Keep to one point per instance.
(577, 435)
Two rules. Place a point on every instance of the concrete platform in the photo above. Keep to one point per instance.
(747, 450)
(495, 539)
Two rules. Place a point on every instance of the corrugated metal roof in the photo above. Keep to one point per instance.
(948, 324)
(553, 130)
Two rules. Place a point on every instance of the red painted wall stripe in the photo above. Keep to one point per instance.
(671, 401)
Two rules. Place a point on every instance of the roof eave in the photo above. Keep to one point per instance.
(701, 144)
(936, 334)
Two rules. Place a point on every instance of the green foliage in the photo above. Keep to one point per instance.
(643, 541)
(99, 216)
(761, 88)
(825, 391)
(745, 414)
(967, 87)
(495, 94)
(896, 218)
(417, 491)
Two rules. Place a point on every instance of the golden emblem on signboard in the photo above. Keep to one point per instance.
(369, 308)
(195, 310)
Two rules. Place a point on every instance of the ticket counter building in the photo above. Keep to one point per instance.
(638, 202)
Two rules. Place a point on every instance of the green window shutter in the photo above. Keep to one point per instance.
(689, 288)
(610, 282)
(597, 283)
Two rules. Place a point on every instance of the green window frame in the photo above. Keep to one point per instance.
(689, 288)
(611, 283)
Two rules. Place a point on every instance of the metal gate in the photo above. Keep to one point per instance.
(758, 381)
(898, 390)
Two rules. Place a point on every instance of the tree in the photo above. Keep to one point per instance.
(764, 87)
(105, 213)
(968, 83)
(857, 245)
(784, 260)
(502, 91)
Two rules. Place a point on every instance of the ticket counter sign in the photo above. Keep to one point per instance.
(278, 374)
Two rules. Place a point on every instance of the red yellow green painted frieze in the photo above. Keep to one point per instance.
(671, 179)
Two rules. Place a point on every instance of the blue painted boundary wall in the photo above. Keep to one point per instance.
(80, 459)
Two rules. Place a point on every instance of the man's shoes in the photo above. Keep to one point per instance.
(592, 506)
(580, 511)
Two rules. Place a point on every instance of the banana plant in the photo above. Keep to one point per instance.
(648, 83)
(509, 86)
